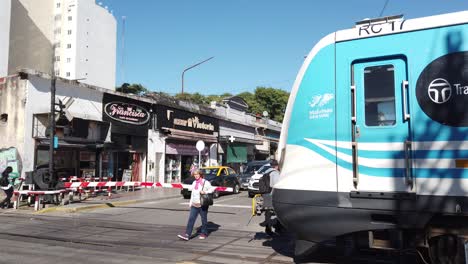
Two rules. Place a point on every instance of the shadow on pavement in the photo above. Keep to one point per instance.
(212, 227)
(283, 244)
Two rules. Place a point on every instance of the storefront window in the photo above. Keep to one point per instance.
(107, 165)
(87, 164)
(173, 168)
(64, 160)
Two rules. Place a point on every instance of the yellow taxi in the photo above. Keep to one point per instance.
(218, 176)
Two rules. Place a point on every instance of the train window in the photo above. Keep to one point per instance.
(379, 95)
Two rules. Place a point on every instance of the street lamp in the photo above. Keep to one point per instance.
(191, 67)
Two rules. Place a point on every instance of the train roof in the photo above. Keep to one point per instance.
(397, 24)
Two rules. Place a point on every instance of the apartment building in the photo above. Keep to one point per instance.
(75, 39)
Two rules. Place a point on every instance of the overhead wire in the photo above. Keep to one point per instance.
(383, 9)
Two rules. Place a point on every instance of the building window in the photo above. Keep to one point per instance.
(68, 74)
(69, 32)
(58, 17)
(3, 118)
(68, 46)
(58, 31)
(58, 5)
(57, 58)
(57, 72)
(57, 45)
(69, 18)
(68, 60)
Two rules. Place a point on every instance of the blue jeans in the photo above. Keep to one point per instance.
(194, 211)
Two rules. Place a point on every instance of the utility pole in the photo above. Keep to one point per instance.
(52, 123)
(193, 66)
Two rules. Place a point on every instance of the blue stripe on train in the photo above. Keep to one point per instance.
(391, 172)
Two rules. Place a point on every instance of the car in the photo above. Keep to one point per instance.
(254, 180)
(217, 176)
(250, 169)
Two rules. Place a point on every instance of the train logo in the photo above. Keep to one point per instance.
(439, 91)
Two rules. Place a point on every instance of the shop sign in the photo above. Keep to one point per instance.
(127, 113)
(187, 121)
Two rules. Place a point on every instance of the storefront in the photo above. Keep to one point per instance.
(77, 147)
(237, 144)
(181, 130)
(124, 157)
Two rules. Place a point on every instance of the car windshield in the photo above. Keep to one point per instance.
(252, 168)
(210, 172)
(210, 177)
(263, 169)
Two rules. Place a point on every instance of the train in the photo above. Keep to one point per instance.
(373, 150)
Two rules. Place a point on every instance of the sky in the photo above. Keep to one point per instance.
(253, 42)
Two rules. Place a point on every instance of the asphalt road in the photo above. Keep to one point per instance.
(147, 233)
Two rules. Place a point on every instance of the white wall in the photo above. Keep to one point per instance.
(12, 93)
(31, 35)
(156, 144)
(5, 10)
(96, 34)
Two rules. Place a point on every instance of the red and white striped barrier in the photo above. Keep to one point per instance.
(137, 184)
(38, 196)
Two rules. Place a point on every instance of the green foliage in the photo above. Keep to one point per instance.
(201, 99)
(268, 99)
(135, 88)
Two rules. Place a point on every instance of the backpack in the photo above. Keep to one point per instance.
(264, 183)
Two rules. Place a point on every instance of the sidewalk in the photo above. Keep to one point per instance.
(119, 198)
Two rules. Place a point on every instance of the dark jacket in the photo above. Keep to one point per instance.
(4, 182)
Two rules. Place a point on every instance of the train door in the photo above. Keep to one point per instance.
(381, 149)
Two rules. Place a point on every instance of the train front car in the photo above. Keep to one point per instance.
(375, 137)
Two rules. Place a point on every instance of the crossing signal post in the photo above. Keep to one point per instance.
(53, 144)
(52, 125)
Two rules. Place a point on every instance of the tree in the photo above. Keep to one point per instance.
(135, 88)
(201, 99)
(268, 99)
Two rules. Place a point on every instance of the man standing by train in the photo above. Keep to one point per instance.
(268, 180)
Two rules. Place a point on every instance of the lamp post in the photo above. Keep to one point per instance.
(191, 67)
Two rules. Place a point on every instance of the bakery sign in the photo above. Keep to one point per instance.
(127, 113)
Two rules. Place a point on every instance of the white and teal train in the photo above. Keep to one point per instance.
(374, 140)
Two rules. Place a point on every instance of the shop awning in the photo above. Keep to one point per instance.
(236, 154)
(240, 140)
(191, 136)
(65, 144)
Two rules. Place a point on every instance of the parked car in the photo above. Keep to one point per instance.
(217, 176)
(250, 169)
(254, 180)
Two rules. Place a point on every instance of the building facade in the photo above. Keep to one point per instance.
(74, 38)
(25, 109)
(5, 12)
(107, 134)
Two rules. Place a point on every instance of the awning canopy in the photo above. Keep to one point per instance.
(236, 154)
(66, 144)
(191, 136)
(240, 140)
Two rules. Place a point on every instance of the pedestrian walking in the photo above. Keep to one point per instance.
(7, 187)
(199, 186)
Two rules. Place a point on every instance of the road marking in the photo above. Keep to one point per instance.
(225, 205)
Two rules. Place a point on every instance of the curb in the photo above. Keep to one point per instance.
(65, 209)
